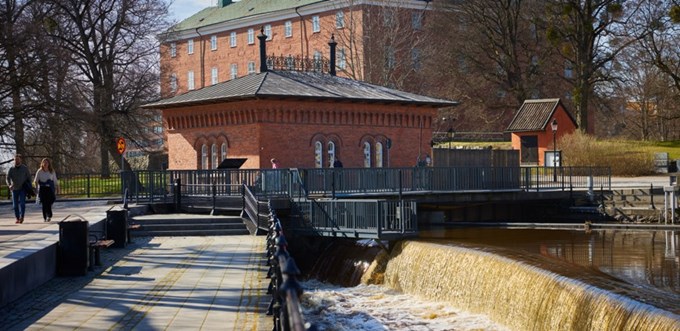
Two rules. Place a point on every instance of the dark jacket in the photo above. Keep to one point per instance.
(17, 176)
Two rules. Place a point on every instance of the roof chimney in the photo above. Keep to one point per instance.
(263, 50)
(332, 44)
(224, 3)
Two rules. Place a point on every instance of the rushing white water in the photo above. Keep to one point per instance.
(375, 307)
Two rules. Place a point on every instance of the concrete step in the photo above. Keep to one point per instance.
(188, 225)
(189, 233)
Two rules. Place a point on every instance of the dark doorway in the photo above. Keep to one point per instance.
(529, 149)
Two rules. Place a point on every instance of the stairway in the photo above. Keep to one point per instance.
(188, 225)
(638, 205)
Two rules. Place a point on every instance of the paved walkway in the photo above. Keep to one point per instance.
(183, 283)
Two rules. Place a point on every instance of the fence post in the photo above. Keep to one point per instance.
(88, 185)
(178, 194)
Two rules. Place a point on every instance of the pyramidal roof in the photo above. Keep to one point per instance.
(297, 85)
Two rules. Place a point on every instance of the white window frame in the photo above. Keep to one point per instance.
(342, 59)
(251, 67)
(378, 155)
(339, 19)
(316, 24)
(288, 28)
(331, 153)
(234, 70)
(416, 59)
(268, 31)
(417, 20)
(191, 84)
(173, 49)
(568, 69)
(367, 154)
(232, 39)
(318, 154)
(251, 36)
(223, 150)
(318, 61)
(190, 46)
(204, 157)
(173, 82)
(213, 43)
(214, 76)
(213, 153)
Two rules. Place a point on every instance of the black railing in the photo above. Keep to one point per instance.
(284, 287)
(152, 186)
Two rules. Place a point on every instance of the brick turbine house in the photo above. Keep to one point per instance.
(303, 119)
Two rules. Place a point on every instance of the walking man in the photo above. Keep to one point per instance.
(17, 177)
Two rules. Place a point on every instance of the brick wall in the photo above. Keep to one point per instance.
(288, 130)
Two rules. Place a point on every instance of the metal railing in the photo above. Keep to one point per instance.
(284, 287)
(158, 185)
(359, 218)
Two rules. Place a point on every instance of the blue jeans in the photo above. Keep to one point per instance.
(19, 203)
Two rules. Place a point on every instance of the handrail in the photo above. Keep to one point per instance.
(251, 206)
(284, 287)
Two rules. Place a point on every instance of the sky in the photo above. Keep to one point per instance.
(181, 9)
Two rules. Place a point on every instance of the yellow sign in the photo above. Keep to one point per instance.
(120, 145)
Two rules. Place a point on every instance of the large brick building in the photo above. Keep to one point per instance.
(303, 119)
(376, 39)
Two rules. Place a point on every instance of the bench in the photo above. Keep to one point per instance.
(95, 246)
(130, 228)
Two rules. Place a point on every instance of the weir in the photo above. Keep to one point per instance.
(522, 291)
(516, 294)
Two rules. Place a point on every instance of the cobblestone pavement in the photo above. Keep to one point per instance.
(156, 283)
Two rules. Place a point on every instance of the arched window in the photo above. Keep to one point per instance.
(224, 151)
(367, 155)
(331, 153)
(379, 155)
(215, 156)
(318, 154)
(204, 157)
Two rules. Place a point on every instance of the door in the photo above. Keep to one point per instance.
(529, 149)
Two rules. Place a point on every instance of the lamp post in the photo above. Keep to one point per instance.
(554, 130)
(450, 135)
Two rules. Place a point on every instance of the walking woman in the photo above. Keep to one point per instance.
(47, 186)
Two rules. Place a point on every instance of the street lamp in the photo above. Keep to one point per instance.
(554, 130)
(450, 135)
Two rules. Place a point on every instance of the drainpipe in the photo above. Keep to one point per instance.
(303, 33)
(202, 57)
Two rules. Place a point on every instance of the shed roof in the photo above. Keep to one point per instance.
(535, 114)
(297, 85)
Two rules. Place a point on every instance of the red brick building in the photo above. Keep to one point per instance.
(303, 119)
(376, 39)
(532, 130)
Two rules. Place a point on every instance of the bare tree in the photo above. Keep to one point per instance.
(384, 43)
(491, 55)
(116, 56)
(589, 34)
(15, 70)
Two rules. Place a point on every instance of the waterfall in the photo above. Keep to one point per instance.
(515, 293)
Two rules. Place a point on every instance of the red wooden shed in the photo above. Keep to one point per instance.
(537, 127)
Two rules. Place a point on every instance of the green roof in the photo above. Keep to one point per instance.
(236, 10)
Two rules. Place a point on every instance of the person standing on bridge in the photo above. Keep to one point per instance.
(47, 185)
(17, 178)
